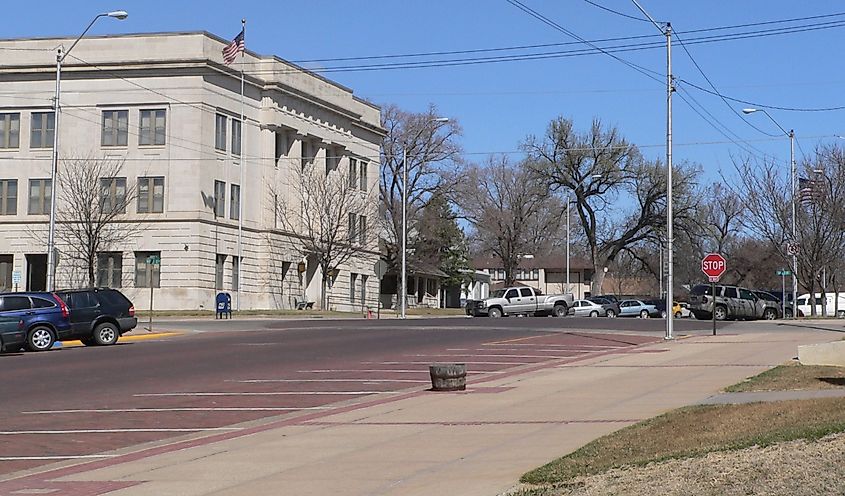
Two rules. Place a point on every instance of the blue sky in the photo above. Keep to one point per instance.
(499, 104)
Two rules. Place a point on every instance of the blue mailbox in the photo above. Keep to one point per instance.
(224, 306)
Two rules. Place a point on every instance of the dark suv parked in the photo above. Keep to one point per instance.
(45, 317)
(98, 316)
(12, 334)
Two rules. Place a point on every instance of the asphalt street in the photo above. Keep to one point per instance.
(210, 376)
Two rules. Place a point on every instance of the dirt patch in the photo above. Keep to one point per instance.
(793, 376)
(798, 468)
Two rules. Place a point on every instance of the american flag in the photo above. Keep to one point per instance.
(232, 49)
(809, 190)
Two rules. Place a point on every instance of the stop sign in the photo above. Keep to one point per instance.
(714, 266)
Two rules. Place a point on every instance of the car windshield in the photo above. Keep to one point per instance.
(701, 289)
(600, 301)
(499, 293)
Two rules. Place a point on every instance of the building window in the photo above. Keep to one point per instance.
(110, 269)
(235, 202)
(219, 199)
(150, 195)
(41, 130)
(6, 268)
(333, 156)
(236, 273)
(353, 279)
(353, 173)
(362, 230)
(10, 130)
(8, 196)
(147, 275)
(353, 227)
(218, 271)
(307, 153)
(362, 173)
(236, 137)
(152, 127)
(113, 195)
(220, 132)
(115, 128)
(39, 196)
(364, 289)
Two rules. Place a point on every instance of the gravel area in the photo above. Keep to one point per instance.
(796, 468)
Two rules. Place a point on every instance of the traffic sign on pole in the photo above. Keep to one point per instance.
(713, 265)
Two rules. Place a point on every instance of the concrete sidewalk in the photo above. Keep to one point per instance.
(424, 443)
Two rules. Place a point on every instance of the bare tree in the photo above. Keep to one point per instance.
(329, 218)
(92, 201)
(619, 197)
(503, 203)
(433, 156)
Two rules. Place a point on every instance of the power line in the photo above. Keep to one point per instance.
(761, 105)
(622, 14)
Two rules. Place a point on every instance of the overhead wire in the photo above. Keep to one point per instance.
(621, 14)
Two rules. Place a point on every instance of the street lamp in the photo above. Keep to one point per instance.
(568, 202)
(51, 236)
(404, 288)
(793, 246)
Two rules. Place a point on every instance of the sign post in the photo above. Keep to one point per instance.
(783, 273)
(713, 265)
(151, 260)
(380, 268)
(16, 279)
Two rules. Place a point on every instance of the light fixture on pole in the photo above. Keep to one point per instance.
(793, 245)
(568, 288)
(403, 297)
(51, 234)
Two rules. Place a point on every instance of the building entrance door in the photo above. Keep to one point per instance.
(36, 272)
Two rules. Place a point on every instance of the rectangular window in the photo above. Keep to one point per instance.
(110, 269)
(115, 128)
(146, 274)
(362, 230)
(362, 174)
(363, 289)
(150, 195)
(41, 130)
(39, 196)
(6, 268)
(113, 195)
(10, 130)
(219, 199)
(218, 271)
(236, 137)
(8, 196)
(353, 279)
(235, 202)
(353, 173)
(236, 273)
(281, 146)
(353, 227)
(152, 127)
(307, 153)
(220, 132)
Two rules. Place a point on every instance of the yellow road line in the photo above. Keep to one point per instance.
(129, 337)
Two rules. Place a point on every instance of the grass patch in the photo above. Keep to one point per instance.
(695, 431)
(793, 376)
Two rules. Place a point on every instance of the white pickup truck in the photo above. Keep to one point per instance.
(520, 300)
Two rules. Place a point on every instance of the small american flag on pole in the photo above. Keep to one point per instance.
(232, 49)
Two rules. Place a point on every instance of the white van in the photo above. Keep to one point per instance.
(805, 309)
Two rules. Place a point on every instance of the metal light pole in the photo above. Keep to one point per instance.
(51, 234)
(404, 296)
(791, 134)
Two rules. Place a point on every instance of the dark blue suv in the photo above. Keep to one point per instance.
(45, 317)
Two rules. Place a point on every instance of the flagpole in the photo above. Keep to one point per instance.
(241, 197)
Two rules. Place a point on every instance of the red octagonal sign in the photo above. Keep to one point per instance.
(714, 265)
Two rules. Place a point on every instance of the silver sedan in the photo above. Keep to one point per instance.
(587, 308)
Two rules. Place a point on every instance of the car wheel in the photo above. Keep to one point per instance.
(40, 338)
(721, 313)
(89, 341)
(611, 314)
(644, 314)
(560, 311)
(494, 313)
(840, 314)
(770, 314)
(594, 314)
(678, 315)
(106, 334)
(663, 314)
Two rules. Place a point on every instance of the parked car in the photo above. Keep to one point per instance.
(611, 308)
(681, 310)
(730, 302)
(12, 334)
(772, 300)
(612, 298)
(587, 308)
(46, 317)
(659, 304)
(805, 307)
(521, 300)
(98, 316)
(637, 308)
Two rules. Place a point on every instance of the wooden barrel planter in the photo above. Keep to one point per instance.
(448, 376)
